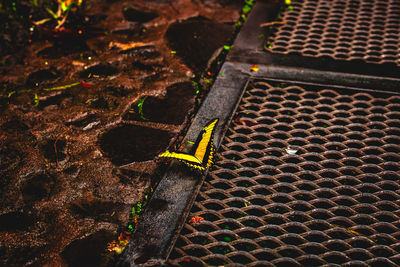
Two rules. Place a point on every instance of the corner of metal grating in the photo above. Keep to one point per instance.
(173, 198)
(298, 65)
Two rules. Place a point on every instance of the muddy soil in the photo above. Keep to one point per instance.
(83, 114)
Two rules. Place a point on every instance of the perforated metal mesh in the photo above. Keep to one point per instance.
(355, 29)
(303, 178)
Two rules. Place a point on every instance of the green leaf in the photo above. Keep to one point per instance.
(52, 13)
(250, 2)
(65, 8)
(140, 108)
(246, 9)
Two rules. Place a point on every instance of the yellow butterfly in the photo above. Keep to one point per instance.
(204, 149)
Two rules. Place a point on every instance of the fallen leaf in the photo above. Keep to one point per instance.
(254, 68)
(245, 122)
(86, 85)
(119, 245)
(78, 63)
(196, 219)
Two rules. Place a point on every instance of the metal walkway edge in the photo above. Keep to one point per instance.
(172, 201)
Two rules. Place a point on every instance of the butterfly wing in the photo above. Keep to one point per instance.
(189, 160)
(205, 144)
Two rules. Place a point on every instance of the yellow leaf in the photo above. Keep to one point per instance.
(254, 68)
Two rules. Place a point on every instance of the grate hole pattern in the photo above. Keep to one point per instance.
(303, 196)
(343, 30)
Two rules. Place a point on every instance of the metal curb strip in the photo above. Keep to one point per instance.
(172, 199)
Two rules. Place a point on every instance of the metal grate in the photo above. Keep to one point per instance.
(303, 177)
(366, 30)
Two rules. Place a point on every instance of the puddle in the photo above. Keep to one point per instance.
(196, 40)
(64, 49)
(136, 15)
(54, 150)
(171, 110)
(131, 143)
(40, 76)
(37, 188)
(89, 251)
(102, 70)
(16, 221)
(101, 209)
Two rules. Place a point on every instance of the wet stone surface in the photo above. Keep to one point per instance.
(70, 118)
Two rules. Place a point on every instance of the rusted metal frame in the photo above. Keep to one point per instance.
(165, 215)
(322, 79)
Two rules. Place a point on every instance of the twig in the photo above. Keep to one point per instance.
(267, 24)
(62, 21)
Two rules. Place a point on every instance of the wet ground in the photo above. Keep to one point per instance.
(77, 106)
